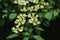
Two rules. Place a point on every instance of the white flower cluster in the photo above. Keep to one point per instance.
(24, 2)
(21, 2)
(17, 30)
(34, 1)
(40, 5)
(32, 8)
(20, 21)
(44, 3)
(33, 19)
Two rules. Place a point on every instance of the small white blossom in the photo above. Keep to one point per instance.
(36, 15)
(20, 29)
(34, 24)
(38, 22)
(41, 6)
(29, 15)
(30, 21)
(15, 31)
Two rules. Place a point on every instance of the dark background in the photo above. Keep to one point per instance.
(53, 31)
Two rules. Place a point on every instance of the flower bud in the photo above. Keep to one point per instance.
(34, 24)
(38, 22)
(15, 2)
(36, 15)
(30, 21)
(41, 6)
(29, 15)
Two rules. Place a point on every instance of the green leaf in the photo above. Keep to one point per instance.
(5, 11)
(48, 16)
(52, 2)
(30, 30)
(12, 36)
(41, 15)
(55, 13)
(12, 16)
(26, 38)
(26, 34)
(39, 28)
(5, 15)
(25, 28)
(37, 37)
(48, 7)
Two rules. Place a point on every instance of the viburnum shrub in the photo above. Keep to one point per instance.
(30, 16)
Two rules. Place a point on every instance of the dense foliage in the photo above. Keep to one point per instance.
(28, 16)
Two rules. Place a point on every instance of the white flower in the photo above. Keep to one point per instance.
(36, 19)
(15, 22)
(41, 6)
(33, 14)
(36, 10)
(14, 30)
(20, 19)
(23, 21)
(47, 3)
(18, 24)
(38, 22)
(20, 15)
(29, 15)
(24, 15)
(20, 29)
(24, 9)
(34, 24)
(36, 15)
(37, 6)
(28, 8)
(15, 2)
(32, 7)
(30, 21)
